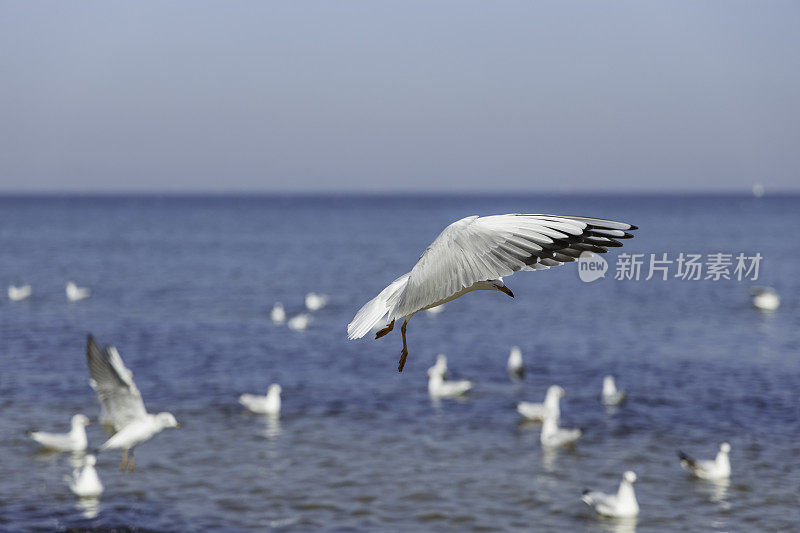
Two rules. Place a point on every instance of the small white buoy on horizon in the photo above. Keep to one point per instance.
(264, 405)
(611, 395)
(278, 315)
(515, 365)
(315, 302)
(765, 298)
(718, 468)
(75, 293)
(85, 482)
(623, 504)
(15, 294)
(299, 322)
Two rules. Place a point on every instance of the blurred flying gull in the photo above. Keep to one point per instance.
(718, 468)
(623, 504)
(264, 405)
(122, 403)
(74, 441)
(550, 407)
(475, 253)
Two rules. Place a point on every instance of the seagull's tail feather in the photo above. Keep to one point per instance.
(376, 311)
(686, 461)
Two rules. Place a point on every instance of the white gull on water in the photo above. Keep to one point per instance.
(438, 387)
(264, 405)
(74, 441)
(84, 481)
(315, 302)
(550, 408)
(515, 365)
(15, 294)
(611, 395)
(473, 254)
(299, 322)
(623, 504)
(765, 298)
(278, 315)
(75, 293)
(122, 403)
(717, 468)
(553, 436)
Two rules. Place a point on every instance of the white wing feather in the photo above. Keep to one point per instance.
(114, 384)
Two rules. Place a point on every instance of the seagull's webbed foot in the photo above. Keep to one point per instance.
(385, 330)
(404, 353)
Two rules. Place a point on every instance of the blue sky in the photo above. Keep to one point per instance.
(399, 96)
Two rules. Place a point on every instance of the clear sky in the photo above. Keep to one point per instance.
(399, 96)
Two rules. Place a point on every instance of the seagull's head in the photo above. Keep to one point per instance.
(167, 420)
(555, 390)
(629, 476)
(725, 447)
(80, 420)
(89, 460)
(274, 389)
(500, 286)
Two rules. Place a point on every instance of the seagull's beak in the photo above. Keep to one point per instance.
(505, 289)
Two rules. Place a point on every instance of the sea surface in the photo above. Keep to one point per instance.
(183, 287)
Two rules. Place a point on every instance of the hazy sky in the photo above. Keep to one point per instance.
(399, 96)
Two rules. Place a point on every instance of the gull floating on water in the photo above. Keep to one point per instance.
(549, 409)
(74, 441)
(553, 436)
(122, 403)
(438, 387)
(75, 293)
(718, 468)
(623, 504)
(278, 315)
(440, 366)
(264, 405)
(16, 294)
(515, 365)
(299, 322)
(84, 481)
(611, 395)
(475, 253)
(765, 298)
(315, 302)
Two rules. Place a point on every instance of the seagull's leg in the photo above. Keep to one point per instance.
(385, 330)
(132, 460)
(124, 462)
(404, 353)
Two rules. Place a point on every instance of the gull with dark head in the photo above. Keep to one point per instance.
(475, 253)
(122, 403)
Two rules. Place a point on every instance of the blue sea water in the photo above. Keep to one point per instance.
(183, 287)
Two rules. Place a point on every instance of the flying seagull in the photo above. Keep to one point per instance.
(475, 253)
(122, 402)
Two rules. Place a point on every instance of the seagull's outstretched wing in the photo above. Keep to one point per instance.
(114, 385)
(485, 248)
